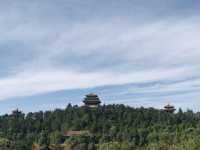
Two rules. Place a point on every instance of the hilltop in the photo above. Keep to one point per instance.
(115, 127)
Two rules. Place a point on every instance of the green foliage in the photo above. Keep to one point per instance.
(55, 137)
(5, 144)
(116, 146)
(81, 143)
(112, 127)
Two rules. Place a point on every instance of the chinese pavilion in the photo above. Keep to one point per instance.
(91, 100)
(169, 108)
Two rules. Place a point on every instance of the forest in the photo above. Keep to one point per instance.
(110, 127)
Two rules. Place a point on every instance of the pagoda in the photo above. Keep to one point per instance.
(91, 100)
(169, 108)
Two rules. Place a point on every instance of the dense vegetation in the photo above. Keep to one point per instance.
(112, 127)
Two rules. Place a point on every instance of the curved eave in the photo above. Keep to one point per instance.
(91, 102)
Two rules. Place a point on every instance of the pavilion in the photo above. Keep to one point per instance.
(169, 108)
(92, 100)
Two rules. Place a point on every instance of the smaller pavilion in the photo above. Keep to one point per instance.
(92, 100)
(169, 108)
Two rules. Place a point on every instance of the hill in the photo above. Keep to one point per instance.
(112, 127)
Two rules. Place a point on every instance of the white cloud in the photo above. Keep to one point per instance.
(30, 83)
(162, 44)
(71, 54)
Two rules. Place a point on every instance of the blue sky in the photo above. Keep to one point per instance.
(134, 52)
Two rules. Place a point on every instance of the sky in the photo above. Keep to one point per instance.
(132, 52)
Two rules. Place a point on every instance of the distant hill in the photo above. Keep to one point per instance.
(112, 127)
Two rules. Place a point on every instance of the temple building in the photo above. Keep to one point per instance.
(92, 100)
(169, 108)
(76, 133)
(17, 113)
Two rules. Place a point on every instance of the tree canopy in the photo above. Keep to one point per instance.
(112, 127)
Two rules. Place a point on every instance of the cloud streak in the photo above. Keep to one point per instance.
(62, 47)
(31, 83)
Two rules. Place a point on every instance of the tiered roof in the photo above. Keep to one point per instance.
(169, 108)
(76, 133)
(91, 100)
